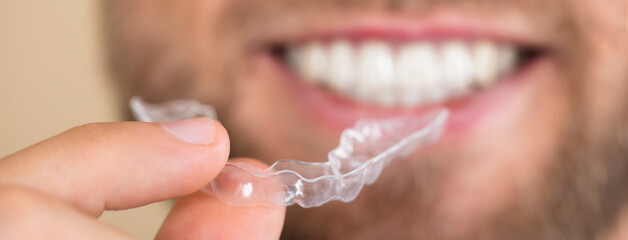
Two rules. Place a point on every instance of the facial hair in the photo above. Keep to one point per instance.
(581, 191)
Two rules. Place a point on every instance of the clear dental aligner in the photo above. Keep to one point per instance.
(363, 152)
(169, 111)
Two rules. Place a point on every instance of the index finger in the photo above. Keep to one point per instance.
(121, 165)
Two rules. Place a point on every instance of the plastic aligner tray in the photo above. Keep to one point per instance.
(363, 152)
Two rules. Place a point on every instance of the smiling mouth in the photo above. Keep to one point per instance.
(406, 74)
(342, 76)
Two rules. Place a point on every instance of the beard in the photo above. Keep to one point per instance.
(579, 195)
(582, 191)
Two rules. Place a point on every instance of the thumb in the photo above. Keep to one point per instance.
(202, 216)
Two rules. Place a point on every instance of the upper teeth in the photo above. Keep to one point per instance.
(412, 73)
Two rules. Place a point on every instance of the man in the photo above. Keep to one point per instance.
(535, 147)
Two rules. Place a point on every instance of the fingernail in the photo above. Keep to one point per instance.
(196, 130)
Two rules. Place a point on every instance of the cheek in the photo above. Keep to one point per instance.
(604, 81)
(196, 28)
(264, 115)
(504, 159)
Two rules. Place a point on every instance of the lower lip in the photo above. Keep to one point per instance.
(336, 113)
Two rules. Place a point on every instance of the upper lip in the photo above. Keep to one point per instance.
(434, 27)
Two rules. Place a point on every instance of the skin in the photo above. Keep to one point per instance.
(57, 188)
(549, 163)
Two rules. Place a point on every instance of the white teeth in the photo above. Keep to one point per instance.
(376, 72)
(341, 65)
(459, 67)
(507, 59)
(408, 74)
(486, 63)
(417, 74)
(311, 61)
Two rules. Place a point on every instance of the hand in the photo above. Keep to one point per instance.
(57, 188)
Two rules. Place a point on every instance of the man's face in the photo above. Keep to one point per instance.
(537, 89)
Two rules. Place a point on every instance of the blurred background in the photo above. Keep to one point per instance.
(53, 77)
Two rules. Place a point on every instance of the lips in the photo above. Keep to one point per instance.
(341, 76)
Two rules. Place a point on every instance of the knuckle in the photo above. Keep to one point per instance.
(90, 132)
(108, 133)
(90, 140)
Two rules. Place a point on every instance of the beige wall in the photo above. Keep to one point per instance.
(52, 78)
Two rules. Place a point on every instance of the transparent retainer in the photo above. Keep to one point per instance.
(363, 152)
